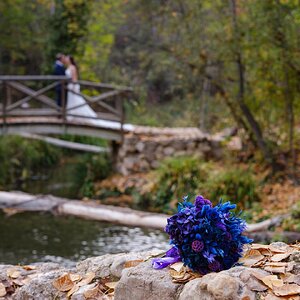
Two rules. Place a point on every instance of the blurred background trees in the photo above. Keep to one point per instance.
(204, 63)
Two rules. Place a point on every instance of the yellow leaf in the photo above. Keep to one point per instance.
(2, 290)
(63, 283)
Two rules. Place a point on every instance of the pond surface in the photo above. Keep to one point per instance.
(32, 237)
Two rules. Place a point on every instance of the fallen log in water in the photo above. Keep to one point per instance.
(90, 210)
(19, 201)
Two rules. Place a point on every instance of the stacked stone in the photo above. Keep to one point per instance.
(146, 147)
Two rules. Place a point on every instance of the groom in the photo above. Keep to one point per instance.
(59, 70)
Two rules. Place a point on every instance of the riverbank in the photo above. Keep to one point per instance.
(131, 277)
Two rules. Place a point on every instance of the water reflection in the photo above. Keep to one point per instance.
(30, 237)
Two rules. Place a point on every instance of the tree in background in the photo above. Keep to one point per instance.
(67, 27)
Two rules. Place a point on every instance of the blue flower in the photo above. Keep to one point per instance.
(205, 238)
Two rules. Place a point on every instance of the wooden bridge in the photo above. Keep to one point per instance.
(27, 105)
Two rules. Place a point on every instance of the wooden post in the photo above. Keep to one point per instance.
(120, 108)
(4, 107)
(115, 146)
(63, 101)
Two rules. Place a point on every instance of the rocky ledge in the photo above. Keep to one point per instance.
(269, 272)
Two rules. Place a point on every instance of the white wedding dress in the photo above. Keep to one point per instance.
(78, 109)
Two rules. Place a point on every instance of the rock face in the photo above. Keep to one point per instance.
(135, 279)
(145, 147)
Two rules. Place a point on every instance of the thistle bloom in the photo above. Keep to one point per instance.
(205, 238)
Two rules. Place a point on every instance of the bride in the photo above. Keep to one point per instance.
(76, 104)
(77, 107)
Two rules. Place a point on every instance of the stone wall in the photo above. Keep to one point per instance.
(144, 148)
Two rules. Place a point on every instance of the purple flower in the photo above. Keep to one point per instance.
(197, 245)
(200, 201)
(214, 266)
(210, 257)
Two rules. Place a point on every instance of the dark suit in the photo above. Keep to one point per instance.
(59, 70)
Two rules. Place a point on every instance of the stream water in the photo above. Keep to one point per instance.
(31, 237)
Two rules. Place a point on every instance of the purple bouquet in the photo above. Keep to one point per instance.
(205, 238)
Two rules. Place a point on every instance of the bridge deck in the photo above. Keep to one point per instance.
(110, 130)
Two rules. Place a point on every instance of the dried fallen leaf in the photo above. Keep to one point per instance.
(279, 249)
(13, 273)
(87, 279)
(280, 257)
(63, 283)
(74, 289)
(259, 246)
(94, 293)
(75, 277)
(287, 290)
(132, 263)
(2, 290)
(111, 285)
(29, 268)
(272, 281)
(277, 270)
(178, 267)
(251, 258)
(293, 279)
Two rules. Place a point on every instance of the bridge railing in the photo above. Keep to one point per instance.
(35, 96)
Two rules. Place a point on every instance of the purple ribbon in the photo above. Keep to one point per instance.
(172, 256)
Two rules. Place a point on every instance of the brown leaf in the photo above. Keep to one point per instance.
(293, 279)
(281, 249)
(287, 290)
(271, 269)
(74, 289)
(280, 257)
(277, 264)
(111, 285)
(272, 281)
(29, 268)
(13, 273)
(178, 267)
(132, 263)
(251, 258)
(87, 279)
(259, 247)
(94, 293)
(75, 277)
(2, 290)
(63, 283)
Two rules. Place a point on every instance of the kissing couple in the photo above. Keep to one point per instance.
(76, 107)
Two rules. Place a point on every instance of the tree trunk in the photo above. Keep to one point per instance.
(255, 128)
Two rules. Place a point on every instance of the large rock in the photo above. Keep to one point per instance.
(143, 282)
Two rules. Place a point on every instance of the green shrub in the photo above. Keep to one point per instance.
(90, 169)
(174, 179)
(21, 158)
(235, 184)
